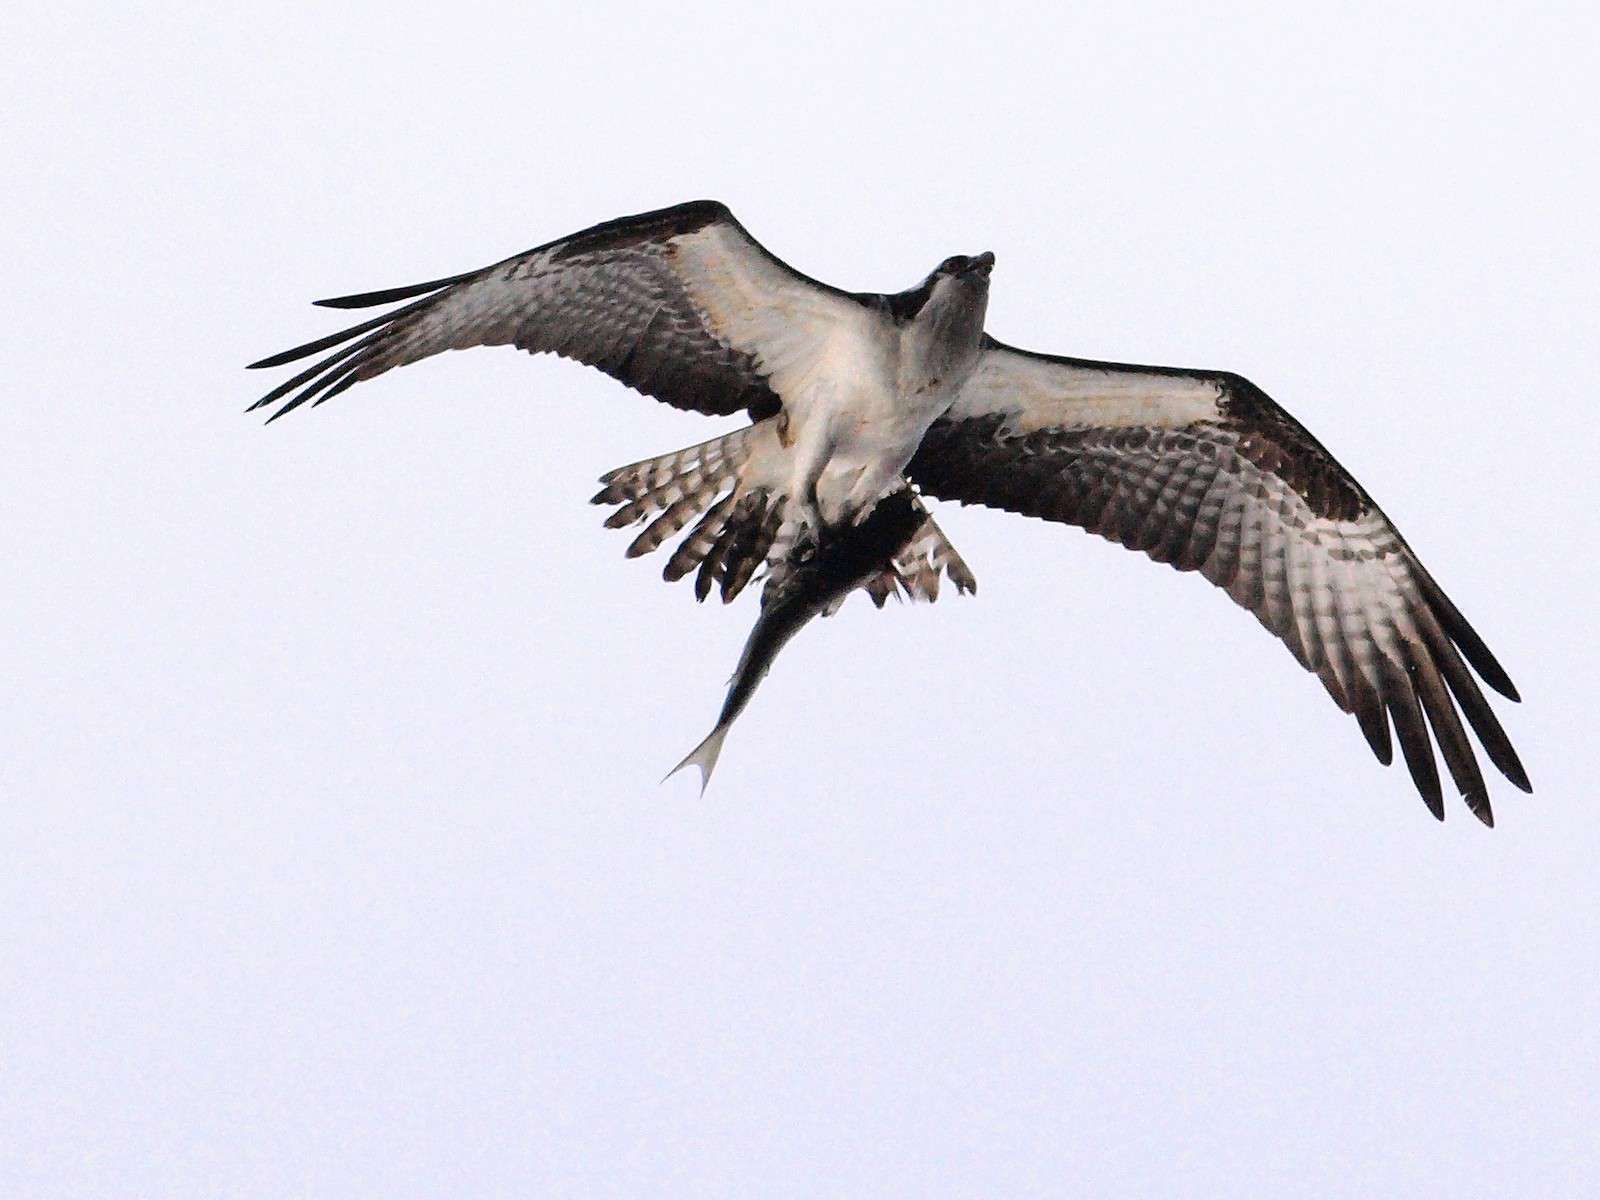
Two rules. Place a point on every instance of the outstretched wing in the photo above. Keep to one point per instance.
(1203, 471)
(681, 304)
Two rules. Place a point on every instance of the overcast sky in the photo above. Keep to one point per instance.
(335, 861)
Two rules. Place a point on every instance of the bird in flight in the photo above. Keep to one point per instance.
(862, 405)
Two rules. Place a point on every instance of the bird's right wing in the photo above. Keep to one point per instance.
(1203, 471)
(681, 304)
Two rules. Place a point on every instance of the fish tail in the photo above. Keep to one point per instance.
(703, 756)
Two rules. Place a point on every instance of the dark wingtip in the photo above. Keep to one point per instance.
(349, 381)
(1472, 646)
(1504, 756)
(390, 295)
(274, 360)
(1478, 802)
(1374, 725)
(324, 343)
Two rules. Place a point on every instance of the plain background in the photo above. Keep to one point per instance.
(334, 859)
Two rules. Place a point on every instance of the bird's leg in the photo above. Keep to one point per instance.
(813, 446)
(808, 520)
(869, 485)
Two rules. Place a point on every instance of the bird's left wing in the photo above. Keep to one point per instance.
(1203, 471)
(681, 304)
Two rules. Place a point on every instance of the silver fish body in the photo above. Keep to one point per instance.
(842, 560)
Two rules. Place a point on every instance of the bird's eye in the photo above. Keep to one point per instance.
(952, 264)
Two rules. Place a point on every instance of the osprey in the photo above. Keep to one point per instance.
(862, 404)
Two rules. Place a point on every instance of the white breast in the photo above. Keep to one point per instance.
(875, 427)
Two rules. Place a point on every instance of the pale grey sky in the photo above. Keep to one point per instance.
(335, 860)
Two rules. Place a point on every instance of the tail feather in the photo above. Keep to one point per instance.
(693, 549)
(710, 481)
(727, 493)
(704, 756)
(719, 559)
(664, 527)
(751, 551)
(916, 569)
(662, 480)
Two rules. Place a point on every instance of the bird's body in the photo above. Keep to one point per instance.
(863, 403)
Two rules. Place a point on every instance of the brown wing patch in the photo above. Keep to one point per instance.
(659, 227)
(1268, 437)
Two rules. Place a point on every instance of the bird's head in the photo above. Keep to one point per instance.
(961, 279)
(961, 266)
(950, 304)
(959, 282)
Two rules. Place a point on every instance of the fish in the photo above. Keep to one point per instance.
(814, 583)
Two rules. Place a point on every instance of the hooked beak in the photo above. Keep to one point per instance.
(983, 263)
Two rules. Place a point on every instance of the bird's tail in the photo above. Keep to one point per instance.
(737, 518)
(915, 570)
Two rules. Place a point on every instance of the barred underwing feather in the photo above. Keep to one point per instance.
(1203, 470)
(681, 304)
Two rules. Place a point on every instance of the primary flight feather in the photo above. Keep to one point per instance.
(864, 403)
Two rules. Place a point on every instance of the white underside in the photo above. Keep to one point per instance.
(850, 433)
(851, 427)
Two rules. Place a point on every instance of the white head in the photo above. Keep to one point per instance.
(944, 313)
